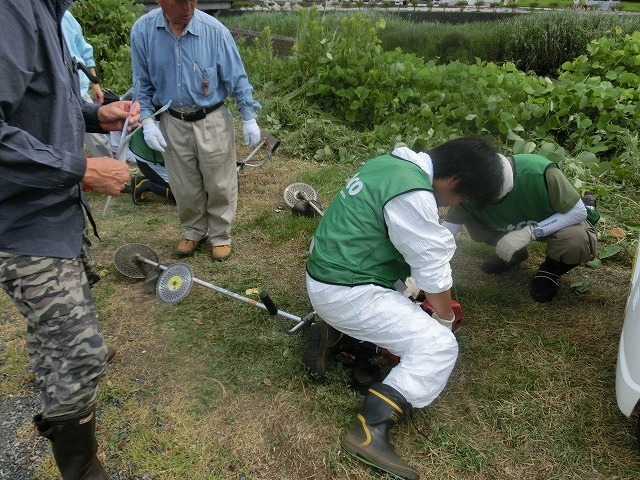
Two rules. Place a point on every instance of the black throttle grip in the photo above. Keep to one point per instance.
(266, 300)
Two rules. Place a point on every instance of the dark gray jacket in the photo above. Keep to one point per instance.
(42, 124)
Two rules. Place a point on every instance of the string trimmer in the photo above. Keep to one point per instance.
(269, 144)
(136, 260)
(302, 199)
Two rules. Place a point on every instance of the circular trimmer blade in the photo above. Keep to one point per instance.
(127, 260)
(175, 283)
(299, 191)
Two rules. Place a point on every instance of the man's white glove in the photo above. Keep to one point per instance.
(412, 289)
(512, 242)
(444, 321)
(153, 135)
(251, 132)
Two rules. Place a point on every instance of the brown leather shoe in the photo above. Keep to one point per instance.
(221, 252)
(188, 247)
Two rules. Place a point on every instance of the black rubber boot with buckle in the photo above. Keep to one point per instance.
(368, 437)
(322, 342)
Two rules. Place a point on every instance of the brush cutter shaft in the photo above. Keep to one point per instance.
(274, 312)
(267, 142)
(269, 307)
(255, 150)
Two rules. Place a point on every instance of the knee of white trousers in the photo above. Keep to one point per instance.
(423, 373)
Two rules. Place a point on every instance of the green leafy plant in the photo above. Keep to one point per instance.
(106, 25)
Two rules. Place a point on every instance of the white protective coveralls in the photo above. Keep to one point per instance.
(386, 318)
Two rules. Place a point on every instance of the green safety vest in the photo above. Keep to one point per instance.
(526, 203)
(138, 146)
(351, 245)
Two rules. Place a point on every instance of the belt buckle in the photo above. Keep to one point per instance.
(182, 116)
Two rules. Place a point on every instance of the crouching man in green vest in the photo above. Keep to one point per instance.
(383, 226)
(538, 204)
(154, 178)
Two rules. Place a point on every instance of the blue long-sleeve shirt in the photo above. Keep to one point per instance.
(41, 133)
(79, 48)
(200, 68)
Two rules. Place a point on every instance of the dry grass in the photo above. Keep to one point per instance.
(213, 389)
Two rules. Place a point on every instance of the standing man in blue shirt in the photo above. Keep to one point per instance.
(97, 143)
(181, 54)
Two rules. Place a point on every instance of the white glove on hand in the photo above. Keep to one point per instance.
(512, 242)
(443, 321)
(251, 132)
(412, 289)
(153, 135)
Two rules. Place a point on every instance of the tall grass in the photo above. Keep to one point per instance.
(539, 42)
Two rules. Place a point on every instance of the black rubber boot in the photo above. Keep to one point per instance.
(367, 438)
(73, 439)
(168, 194)
(111, 353)
(322, 341)
(141, 187)
(546, 282)
(495, 265)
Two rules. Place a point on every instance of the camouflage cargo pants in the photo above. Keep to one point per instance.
(66, 349)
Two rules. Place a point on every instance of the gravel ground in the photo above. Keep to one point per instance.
(20, 446)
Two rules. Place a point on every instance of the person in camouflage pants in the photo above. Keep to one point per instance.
(66, 349)
(45, 263)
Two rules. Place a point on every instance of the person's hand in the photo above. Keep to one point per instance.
(153, 135)
(251, 132)
(512, 242)
(456, 311)
(98, 94)
(113, 115)
(443, 321)
(106, 175)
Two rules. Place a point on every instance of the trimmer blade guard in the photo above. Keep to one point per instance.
(127, 260)
(299, 191)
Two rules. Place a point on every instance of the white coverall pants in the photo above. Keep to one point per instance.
(384, 317)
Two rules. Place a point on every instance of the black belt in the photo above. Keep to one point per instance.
(195, 115)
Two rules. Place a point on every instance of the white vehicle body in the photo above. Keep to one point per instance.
(628, 365)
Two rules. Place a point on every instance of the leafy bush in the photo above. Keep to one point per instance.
(347, 72)
(106, 25)
(596, 103)
(539, 42)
